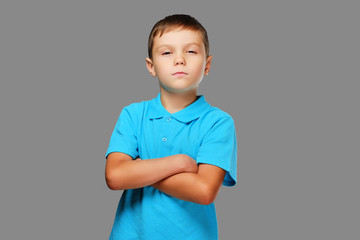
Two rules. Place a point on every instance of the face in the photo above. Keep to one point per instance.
(179, 60)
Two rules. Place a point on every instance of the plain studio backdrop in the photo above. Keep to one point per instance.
(287, 72)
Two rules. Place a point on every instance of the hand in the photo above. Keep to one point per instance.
(187, 163)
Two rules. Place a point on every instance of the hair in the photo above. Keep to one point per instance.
(182, 21)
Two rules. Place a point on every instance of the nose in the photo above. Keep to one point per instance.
(179, 60)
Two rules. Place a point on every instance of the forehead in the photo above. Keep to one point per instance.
(179, 36)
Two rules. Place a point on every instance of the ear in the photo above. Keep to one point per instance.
(150, 67)
(207, 65)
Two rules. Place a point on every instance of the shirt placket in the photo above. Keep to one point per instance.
(166, 133)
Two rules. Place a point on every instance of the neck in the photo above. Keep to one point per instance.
(174, 102)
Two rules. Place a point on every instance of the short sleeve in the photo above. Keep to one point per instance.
(219, 148)
(123, 138)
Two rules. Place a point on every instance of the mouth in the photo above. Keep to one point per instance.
(180, 74)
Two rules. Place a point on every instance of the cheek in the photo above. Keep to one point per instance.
(199, 68)
(160, 71)
(160, 67)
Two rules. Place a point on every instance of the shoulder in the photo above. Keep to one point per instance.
(132, 113)
(215, 120)
(137, 107)
(215, 114)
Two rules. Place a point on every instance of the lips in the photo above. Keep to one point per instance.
(180, 74)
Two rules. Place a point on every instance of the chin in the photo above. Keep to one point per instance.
(181, 90)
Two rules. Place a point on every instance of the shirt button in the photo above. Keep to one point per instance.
(164, 139)
(168, 119)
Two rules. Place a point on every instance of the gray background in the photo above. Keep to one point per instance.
(287, 71)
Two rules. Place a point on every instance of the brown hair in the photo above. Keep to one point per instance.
(182, 21)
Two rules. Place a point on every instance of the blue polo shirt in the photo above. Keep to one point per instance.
(147, 130)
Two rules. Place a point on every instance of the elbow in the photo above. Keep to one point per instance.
(112, 182)
(207, 196)
(206, 200)
(110, 185)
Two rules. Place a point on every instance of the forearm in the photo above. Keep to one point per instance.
(184, 186)
(201, 187)
(140, 173)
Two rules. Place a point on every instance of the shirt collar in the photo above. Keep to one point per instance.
(188, 114)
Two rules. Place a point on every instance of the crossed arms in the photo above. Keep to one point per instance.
(177, 175)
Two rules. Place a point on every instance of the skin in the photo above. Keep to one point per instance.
(178, 51)
(180, 63)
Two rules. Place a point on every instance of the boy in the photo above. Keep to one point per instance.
(171, 154)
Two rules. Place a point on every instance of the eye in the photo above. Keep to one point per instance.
(191, 51)
(165, 53)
